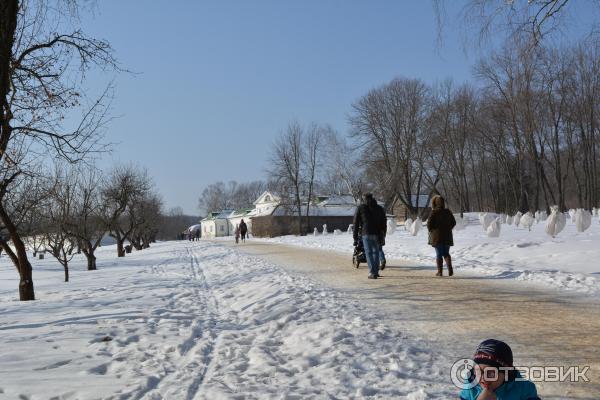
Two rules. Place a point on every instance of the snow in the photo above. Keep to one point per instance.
(199, 320)
(565, 262)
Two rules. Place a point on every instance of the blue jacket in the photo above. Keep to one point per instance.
(513, 390)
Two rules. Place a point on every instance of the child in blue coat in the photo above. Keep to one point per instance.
(503, 383)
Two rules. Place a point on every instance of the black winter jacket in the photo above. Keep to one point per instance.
(369, 219)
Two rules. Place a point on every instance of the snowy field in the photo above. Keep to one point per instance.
(568, 261)
(199, 320)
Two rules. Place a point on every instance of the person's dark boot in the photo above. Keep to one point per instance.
(449, 265)
(440, 265)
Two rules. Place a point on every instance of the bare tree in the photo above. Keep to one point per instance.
(390, 125)
(87, 225)
(343, 167)
(233, 195)
(124, 188)
(41, 74)
(146, 212)
(534, 19)
(286, 161)
(217, 196)
(59, 211)
(311, 160)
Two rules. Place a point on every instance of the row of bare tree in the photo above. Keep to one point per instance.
(46, 116)
(73, 210)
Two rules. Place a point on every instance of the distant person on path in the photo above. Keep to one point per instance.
(237, 234)
(243, 230)
(369, 219)
(440, 225)
(498, 379)
(197, 234)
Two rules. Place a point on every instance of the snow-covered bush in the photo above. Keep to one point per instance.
(556, 221)
(416, 227)
(315, 232)
(337, 232)
(583, 219)
(517, 218)
(391, 226)
(486, 219)
(407, 224)
(350, 229)
(461, 223)
(572, 214)
(324, 229)
(503, 218)
(527, 221)
(509, 220)
(493, 230)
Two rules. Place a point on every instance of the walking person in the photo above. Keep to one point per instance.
(198, 234)
(243, 230)
(237, 234)
(369, 219)
(440, 225)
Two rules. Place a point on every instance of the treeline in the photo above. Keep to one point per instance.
(524, 139)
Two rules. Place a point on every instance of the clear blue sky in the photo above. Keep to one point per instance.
(218, 80)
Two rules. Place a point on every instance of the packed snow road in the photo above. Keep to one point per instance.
(200, 320)
(545, 327)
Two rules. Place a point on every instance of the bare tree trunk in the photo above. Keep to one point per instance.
(91, 259)
(120, 248)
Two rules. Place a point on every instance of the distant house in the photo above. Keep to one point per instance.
(337, 212)
(421, 202)
(216, 224)
(266, 203)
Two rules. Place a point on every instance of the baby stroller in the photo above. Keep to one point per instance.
(359, 254)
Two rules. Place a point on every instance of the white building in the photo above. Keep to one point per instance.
(216, 224)
(265, 204)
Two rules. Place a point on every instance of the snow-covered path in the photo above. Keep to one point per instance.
(545, 326)
(202, 321)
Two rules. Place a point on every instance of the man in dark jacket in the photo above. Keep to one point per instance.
(243, 230)
(370, 221)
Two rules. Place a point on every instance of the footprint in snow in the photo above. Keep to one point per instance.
(99, 370)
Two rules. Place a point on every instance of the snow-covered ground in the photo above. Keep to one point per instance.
(569, 261)
(198, 320)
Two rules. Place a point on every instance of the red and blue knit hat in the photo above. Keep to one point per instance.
(494, 353)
